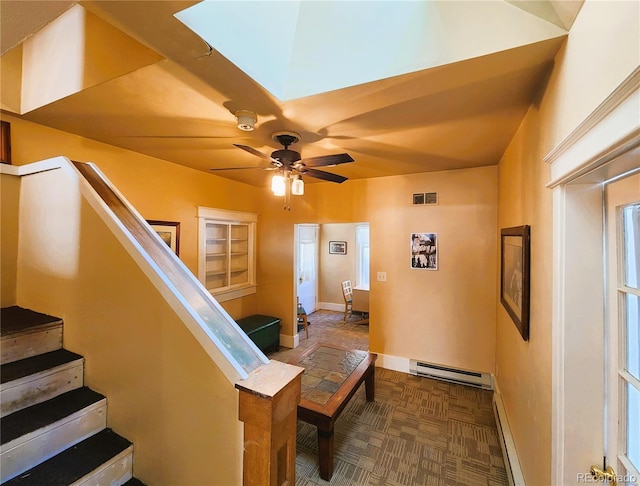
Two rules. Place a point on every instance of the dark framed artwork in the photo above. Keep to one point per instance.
(338, 247)
(5, 142)
(515, 275)
(169, 232)
(424, 251)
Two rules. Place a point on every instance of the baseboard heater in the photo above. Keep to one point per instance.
(453, 375)
(512, 464)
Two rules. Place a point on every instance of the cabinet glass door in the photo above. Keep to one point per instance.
(239, 262)
(217, 248)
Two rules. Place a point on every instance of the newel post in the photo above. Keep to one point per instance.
(268, 407)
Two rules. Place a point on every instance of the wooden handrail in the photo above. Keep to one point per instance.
(269, 391)
(232, 342)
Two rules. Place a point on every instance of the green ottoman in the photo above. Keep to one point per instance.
(262, 330)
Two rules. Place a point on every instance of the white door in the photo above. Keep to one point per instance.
(622, 356)
(307, 266)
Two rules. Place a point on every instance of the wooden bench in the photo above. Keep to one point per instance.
(262, 330)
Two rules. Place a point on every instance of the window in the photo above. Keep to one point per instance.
(362, 255)
(226, 252)
(629, 374)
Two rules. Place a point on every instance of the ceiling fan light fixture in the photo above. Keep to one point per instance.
(297, 186)
(246, 120)
(278, 185)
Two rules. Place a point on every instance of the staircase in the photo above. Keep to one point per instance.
(52, 428)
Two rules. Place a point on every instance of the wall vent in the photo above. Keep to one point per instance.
(425, 198)
(453, 375)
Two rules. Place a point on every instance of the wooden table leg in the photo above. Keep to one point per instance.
(325, 453)
(370, 384)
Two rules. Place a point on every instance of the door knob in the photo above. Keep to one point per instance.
(608, 474)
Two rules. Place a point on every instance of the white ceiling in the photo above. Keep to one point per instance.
(459, 112)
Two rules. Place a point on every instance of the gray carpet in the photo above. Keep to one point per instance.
(418, 432)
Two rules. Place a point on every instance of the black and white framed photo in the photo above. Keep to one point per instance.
(514, 275)
(338, 247)
(424, 251)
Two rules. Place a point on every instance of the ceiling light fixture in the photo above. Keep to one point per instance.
(297, 186)
(285, 184)
(278, 185)
(246, 119)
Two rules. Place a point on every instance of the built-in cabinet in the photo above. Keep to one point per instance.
(226, 252)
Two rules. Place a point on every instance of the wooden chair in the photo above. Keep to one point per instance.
(347, 294)
(302, 318)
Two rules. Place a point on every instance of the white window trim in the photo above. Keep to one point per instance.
(231, 217)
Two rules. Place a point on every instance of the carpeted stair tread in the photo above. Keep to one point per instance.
(37, 416)
(15, 319)
(75, 462)
(134, 482)
(35, 364)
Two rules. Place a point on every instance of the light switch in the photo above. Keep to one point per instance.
(382, 276)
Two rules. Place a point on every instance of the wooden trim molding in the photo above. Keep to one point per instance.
(268, 407)
(612, 129)
(615, 99)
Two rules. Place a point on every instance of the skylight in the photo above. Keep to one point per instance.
(300, 48)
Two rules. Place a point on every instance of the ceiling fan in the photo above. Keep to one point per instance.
(291, 164)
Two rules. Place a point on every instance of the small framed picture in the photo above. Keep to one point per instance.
(338, 247)
(424, 251)
(5, 142)
(169, 232)
(514, 275)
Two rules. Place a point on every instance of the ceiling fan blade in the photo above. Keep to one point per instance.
(171, 136)
(257, 153)
(324, 160)
(325, 176)
(241, 168)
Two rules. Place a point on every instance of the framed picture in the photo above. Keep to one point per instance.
(338, 247)
(424, 251)
(514, 275)
(169, 231)
(5, 142)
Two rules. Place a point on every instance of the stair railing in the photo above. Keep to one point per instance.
(269, 391)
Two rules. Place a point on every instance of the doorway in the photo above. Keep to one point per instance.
(603, 148)
(325, 255)
(306, 266)
(583, 410)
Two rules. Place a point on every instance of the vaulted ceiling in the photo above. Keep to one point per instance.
(152, 85)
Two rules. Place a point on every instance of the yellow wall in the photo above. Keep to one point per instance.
(156, 188)
(601, 51)
(445, 316)
(336, 268)
(9, 200)
(74, 52)
(164, 393)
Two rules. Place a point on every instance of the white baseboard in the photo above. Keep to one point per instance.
(394, 363)
(512, 463)
(289, 341)
(330, 306)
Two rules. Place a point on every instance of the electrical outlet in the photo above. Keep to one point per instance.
(382, 276)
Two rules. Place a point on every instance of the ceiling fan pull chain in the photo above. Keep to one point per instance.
(287, 193)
